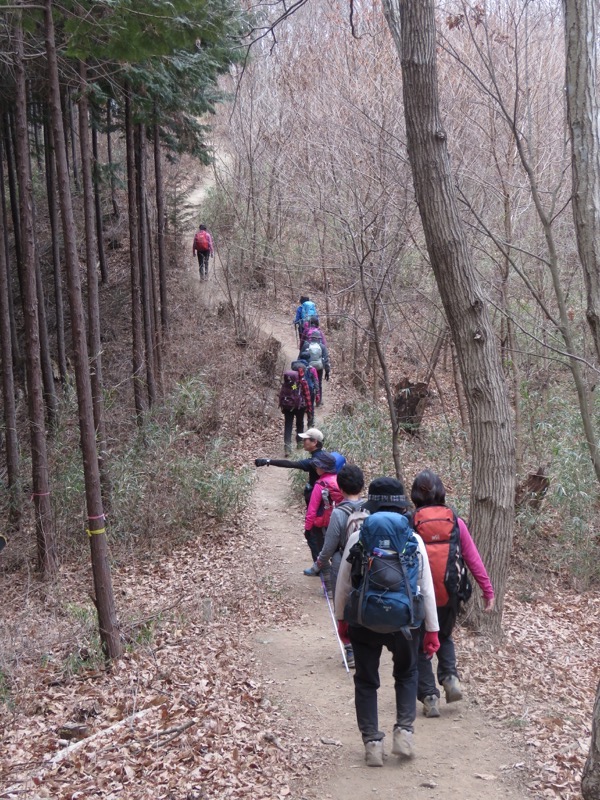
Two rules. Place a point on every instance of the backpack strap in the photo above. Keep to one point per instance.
(346, 508)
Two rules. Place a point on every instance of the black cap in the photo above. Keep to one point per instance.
(385, 493)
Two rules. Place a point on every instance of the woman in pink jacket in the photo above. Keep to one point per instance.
(447, 540)
(324, 497)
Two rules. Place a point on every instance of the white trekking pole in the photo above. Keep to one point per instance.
(333, 619)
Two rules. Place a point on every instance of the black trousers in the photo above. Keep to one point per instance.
(314, 539)
(288, 426)
(203, 256)
(446, 656)
(367, 646)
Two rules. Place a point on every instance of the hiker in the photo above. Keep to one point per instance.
(312, 379)
(324, 497)
(306, 311)
(313, 327)
(299, 319)
(312, 442)
(203, 248)
(386, 505)
(314, 351)
(351, 482)
(346, 518)
(448, 542)
(294, 402)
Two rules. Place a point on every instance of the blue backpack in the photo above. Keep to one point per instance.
(340, 461)
(309, 310)
(387, 559)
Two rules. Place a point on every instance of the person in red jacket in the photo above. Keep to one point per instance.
(439, 528)
(204, 249)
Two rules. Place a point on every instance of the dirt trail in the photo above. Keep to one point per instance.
(460, 756)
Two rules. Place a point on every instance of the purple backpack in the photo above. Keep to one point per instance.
(291, 396)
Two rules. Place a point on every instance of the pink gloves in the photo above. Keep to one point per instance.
(431, 643)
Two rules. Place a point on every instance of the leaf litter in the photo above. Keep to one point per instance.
(188, 715)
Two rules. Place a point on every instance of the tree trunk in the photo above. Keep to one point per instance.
(72, 137)
(105, 602)
(493, 475)
(16, 350)
(134, 258)
(154, 294)
(50, 398)
(8, 384)
(44, 523)
(140, 164)
(93, 301)
(590, 781)
(113, 194)
(160, 232)
(98, 202)
(460, 398)
(379, 354)
(9, 143)
(582, 110)
(57, 270)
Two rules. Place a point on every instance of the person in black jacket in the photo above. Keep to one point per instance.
(312, 443)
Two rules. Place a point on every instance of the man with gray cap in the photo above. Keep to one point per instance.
(312, 442)
(386, 495)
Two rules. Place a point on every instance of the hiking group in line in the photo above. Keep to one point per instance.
(302, 387)
(397, 577)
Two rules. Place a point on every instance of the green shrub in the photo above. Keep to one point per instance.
(159, 488)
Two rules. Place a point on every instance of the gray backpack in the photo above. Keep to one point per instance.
(315, 355)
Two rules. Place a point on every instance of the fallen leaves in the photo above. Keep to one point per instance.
(185, 714)
(541, 683)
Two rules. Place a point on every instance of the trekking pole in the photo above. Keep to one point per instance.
(337, 636)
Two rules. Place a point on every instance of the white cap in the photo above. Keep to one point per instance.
(312, 433)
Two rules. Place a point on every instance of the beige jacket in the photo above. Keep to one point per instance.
(343, 585)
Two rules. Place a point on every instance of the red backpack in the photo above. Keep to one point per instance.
(438, 527)
(202, 240)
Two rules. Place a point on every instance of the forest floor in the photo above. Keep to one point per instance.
(233, 684)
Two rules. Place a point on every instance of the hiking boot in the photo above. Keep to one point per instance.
(431, 706)
(374, 753)
(312, 571)
(403, 743)
(452, 688)
(349, 656)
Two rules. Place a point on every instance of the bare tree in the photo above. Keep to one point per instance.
(412, 23)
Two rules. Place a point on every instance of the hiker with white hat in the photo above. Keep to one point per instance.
(312, 442)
